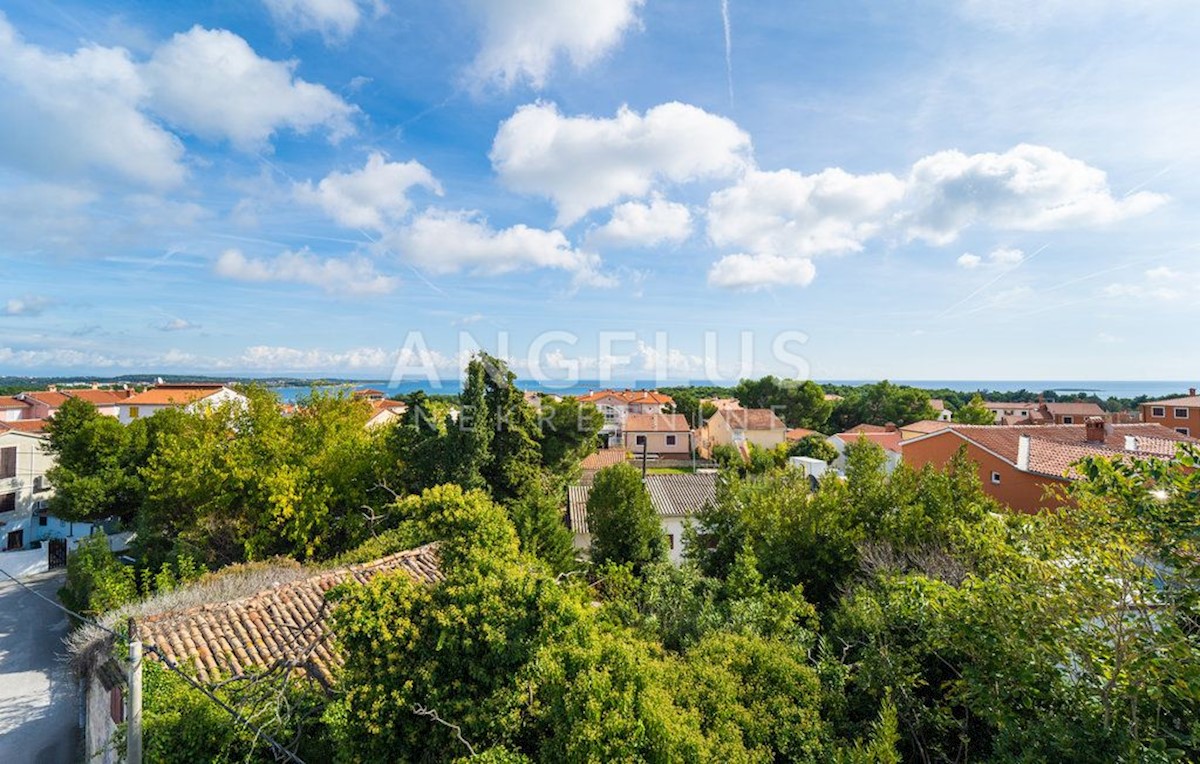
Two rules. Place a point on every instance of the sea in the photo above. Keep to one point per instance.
(1101, 389)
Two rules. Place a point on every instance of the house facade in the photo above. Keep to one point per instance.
(741, 427)
(1181, 415)
(1019, 464)
(888, 440)
(615, 405)
(24, 488)
(190, 397)
(666, 436)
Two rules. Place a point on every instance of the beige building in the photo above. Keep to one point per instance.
(666, 436)
(741, 427)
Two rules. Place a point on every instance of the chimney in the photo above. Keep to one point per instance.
(52, 388)
(1192, 392)
(1023, 453)
(889, 427)
(1095, 429)
(1131, 443)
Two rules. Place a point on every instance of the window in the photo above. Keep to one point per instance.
(996, 478)
(1068, 420)
(8, 462)
(639, 440)
(1158, 411)
(670, 541)
(8, 502)
(43, 520)
(1182, 431)
(1181, 413)
(670, 440)
(133, 412)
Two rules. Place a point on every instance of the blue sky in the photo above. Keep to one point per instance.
(971, 189)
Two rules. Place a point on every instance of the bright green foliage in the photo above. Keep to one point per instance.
(882, 403)
(516, 454)
(799, 404)
(538, 520)
(623, 524)
(96, 580)
(568, 432)
(974, 412)
(470, 436)
(95, 475)
(815, 447)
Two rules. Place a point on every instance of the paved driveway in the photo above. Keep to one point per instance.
(39, 701)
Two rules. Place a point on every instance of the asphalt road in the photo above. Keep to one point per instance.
(39, 700)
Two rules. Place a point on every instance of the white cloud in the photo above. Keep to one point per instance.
(371, 197)
(1162, 273)
(584, 163)
(211, 82)
(751, 272)
(645, 225)
(522, 39)
(335, 20)
(786, 213)
(279, 358)
(30, 305)
(57, 358)
(177, 325)
(67, 115)
(1027, 188)
(352, 276)
(441, 241)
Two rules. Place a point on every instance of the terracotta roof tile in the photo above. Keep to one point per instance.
(799, 433)
(24, 425)
(1188, 401)
(924, 426)
(166, 395)
(867, 428)
(629, 396)
(605, 457)
(285, 622)
(656, 423)
(100, 397)
(888, 441)
(12, 403)
(48, 397)
(1074, 409)
(752, 419)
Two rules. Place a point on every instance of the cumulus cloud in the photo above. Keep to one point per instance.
(56, 358)
(29, 305)
(351, 276)
(371, 197)
(210, 82)
(645, 225)
(334, 20)
(751, 272)
(177, 325)
(1161, 283)
(523, 39)
(281, 358)
(584, 163)
(786, 213)
(441, 241)
(1027, 188)
(67, 115)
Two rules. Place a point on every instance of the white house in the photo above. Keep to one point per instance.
(191, 397)
(23, 485)
(888, 440)
(676, 498)
(616, 405)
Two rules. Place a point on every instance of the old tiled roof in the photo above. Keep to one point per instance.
(753, 419)
(24, 425)
(12, 403)
(1014, 406)
(1074, 409)
(656, 423)
(48, 397)
(605, 457)
(165, 395)
(867, 428)
(799, 433)
(100, 397)
(672, 496)
(937, 404)
(1052, 448)
(1188, 401)
(282, 623)
(888, 441)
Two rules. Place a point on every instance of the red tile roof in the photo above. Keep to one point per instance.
(925, 426)
(605, 457)
(1074, 409)
(1188, 401)
(165, 395)
(799, 433)
(1053, 448)
(656, 423)
(752, 419)
(630, 396)
(867, 428)
(284, 622)
(100, 397)
(24, 425)
(48, 397)
(12, 403)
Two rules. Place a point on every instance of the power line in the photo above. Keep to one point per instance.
(170, 664)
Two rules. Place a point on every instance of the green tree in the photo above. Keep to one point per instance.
(799, 404)
(974, 412)
(97, 581)
(624, 525)
(567, 432)
(815, 447)
(470, 436)
(93, 475)
(882, 403)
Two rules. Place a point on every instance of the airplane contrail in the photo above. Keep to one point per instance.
(728, 48)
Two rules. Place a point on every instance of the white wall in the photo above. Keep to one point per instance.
(672, 526)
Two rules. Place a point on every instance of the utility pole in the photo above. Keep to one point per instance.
(644, 443)
(133, 733)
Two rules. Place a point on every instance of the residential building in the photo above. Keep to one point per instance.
(889, 440)
(598, 460)
(1019, 463)
(870, 428)
(615, 405)
(239, 622)
(799, 433)
(107, 402)
(24, 488)
(1181, 415)
(943, 413)
(12, 409)
(42, 404)
(677, 499)
(742, 427)
(665, 436)
(193, 397)
(385, 412)
(1067, 413)
(1011, 413)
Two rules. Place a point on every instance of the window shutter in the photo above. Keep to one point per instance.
(8, 462)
